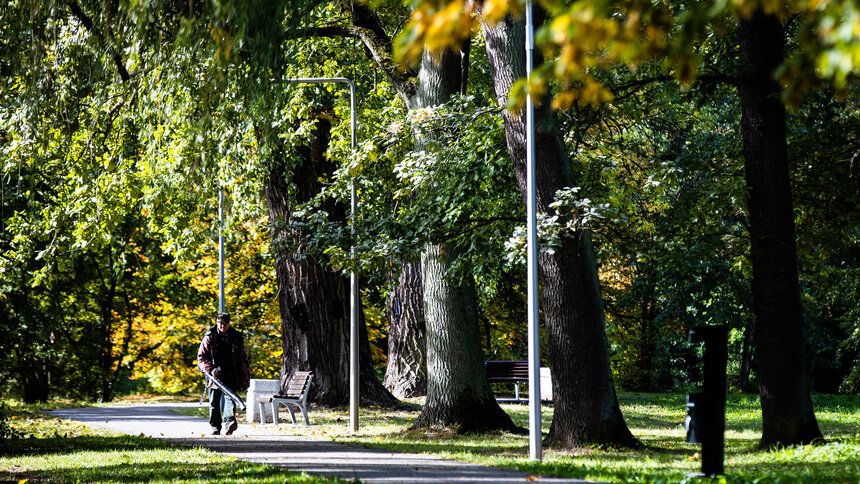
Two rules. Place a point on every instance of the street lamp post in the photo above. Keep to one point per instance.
(535, 451)
(221, 296)
(353, 276)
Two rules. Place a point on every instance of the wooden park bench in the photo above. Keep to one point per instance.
(508, 371)
(294, 395)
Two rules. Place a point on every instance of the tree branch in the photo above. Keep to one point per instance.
(88, 24)
(717, 78)
(364, 25)
(628, 89)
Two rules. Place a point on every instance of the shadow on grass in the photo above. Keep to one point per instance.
(123, 447)
(59, 445)
(155, 471)
(776, 473)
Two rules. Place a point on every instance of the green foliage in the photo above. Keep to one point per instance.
(661, 188)
(96, 186)
(458, 187)
(823, 142)
(119, 124)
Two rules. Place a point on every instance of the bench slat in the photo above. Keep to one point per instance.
(296, 386)
(506, 370)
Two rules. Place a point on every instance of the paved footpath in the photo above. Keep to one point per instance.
(264, 445)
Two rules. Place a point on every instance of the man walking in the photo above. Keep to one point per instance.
(222, 354)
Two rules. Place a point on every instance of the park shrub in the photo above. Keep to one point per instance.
(6, 430)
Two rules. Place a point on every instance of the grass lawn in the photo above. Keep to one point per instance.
(63, 451)
(50, 449)
(655, 419)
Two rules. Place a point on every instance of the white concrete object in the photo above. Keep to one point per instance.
(545, 384)
(257, 389)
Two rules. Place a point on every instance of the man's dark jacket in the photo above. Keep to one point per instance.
(225, 351)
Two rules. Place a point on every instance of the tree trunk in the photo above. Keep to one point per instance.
(458, 394)
(36, 380)
(787, 413)
(406, 375)
(438, 80)
(746, 359)
(450, 402)
(106, 310)
(586, 407)
(313, 299)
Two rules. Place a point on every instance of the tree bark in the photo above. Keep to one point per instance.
(406, 375)
(458, 394)
(787, 414)
(586, 406)
(314, 299)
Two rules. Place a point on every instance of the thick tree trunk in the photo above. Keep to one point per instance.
(787, 413)
(406, 375)
(438, 80)
(458, 394)
(586, 407)
(313, 299)
(36, 380)
(450, 403)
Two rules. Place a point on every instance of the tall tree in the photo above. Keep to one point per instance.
(458, 394)
(787, 414)
(611, 38)
(314, 299)
(467, 404)
(405, 375)
(586, 406)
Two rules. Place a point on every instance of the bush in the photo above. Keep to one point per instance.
(6, 430)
